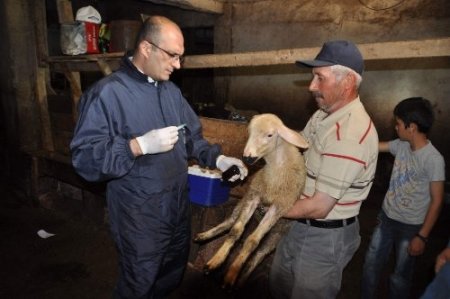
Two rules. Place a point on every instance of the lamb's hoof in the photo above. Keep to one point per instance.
(228, 282)
(206, 270)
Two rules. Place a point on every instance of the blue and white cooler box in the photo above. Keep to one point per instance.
(206, 186)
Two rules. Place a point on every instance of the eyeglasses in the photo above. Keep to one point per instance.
(173, 56)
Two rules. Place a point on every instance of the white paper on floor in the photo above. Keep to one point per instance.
(44, 235)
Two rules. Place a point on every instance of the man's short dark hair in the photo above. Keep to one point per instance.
(416, 110)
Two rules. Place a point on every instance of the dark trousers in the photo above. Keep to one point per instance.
(152, 240)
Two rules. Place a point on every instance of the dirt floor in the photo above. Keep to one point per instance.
(80, 260)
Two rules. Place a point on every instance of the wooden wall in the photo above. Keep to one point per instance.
(243, 26)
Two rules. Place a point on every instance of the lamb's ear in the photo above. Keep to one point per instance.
(293, 137)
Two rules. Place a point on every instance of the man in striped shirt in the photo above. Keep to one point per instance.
(341, 161)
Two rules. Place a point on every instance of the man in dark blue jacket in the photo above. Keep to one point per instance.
(129, 134)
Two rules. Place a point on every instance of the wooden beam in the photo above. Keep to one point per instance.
(41, 97)
(429, 48)
(371, 51)
(75, 86)
(65, 12)
(209, 6)
(406, 49)
(65, 15)
(104, 66)
(41, 30)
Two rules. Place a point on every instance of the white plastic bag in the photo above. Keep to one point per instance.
(88, 14)
(73, 38)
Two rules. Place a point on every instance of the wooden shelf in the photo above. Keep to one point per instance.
(84, 63)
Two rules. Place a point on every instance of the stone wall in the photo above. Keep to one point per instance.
(277, 24)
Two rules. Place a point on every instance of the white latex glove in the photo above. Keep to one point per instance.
(158, 141)
(224, 162)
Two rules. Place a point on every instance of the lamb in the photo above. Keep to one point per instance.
(275, 188)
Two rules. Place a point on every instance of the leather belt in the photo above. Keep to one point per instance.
(328, 223)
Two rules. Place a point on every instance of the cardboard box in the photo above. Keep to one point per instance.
(206, 187)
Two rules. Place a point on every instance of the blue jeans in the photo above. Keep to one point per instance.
(389, 234)
(439, 288)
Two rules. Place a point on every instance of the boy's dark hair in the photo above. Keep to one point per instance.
(416, 110)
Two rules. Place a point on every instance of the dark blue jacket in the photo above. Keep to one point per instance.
(121, 107)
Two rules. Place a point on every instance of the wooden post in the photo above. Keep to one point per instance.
(104, 66)
(35, 176)
(75, 86)
(41, 96)
(65, 12)
(42, 78)
(65, 15)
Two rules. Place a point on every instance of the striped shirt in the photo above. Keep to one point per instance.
(342, 157)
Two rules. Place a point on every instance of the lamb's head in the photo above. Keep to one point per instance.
(266, 133)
